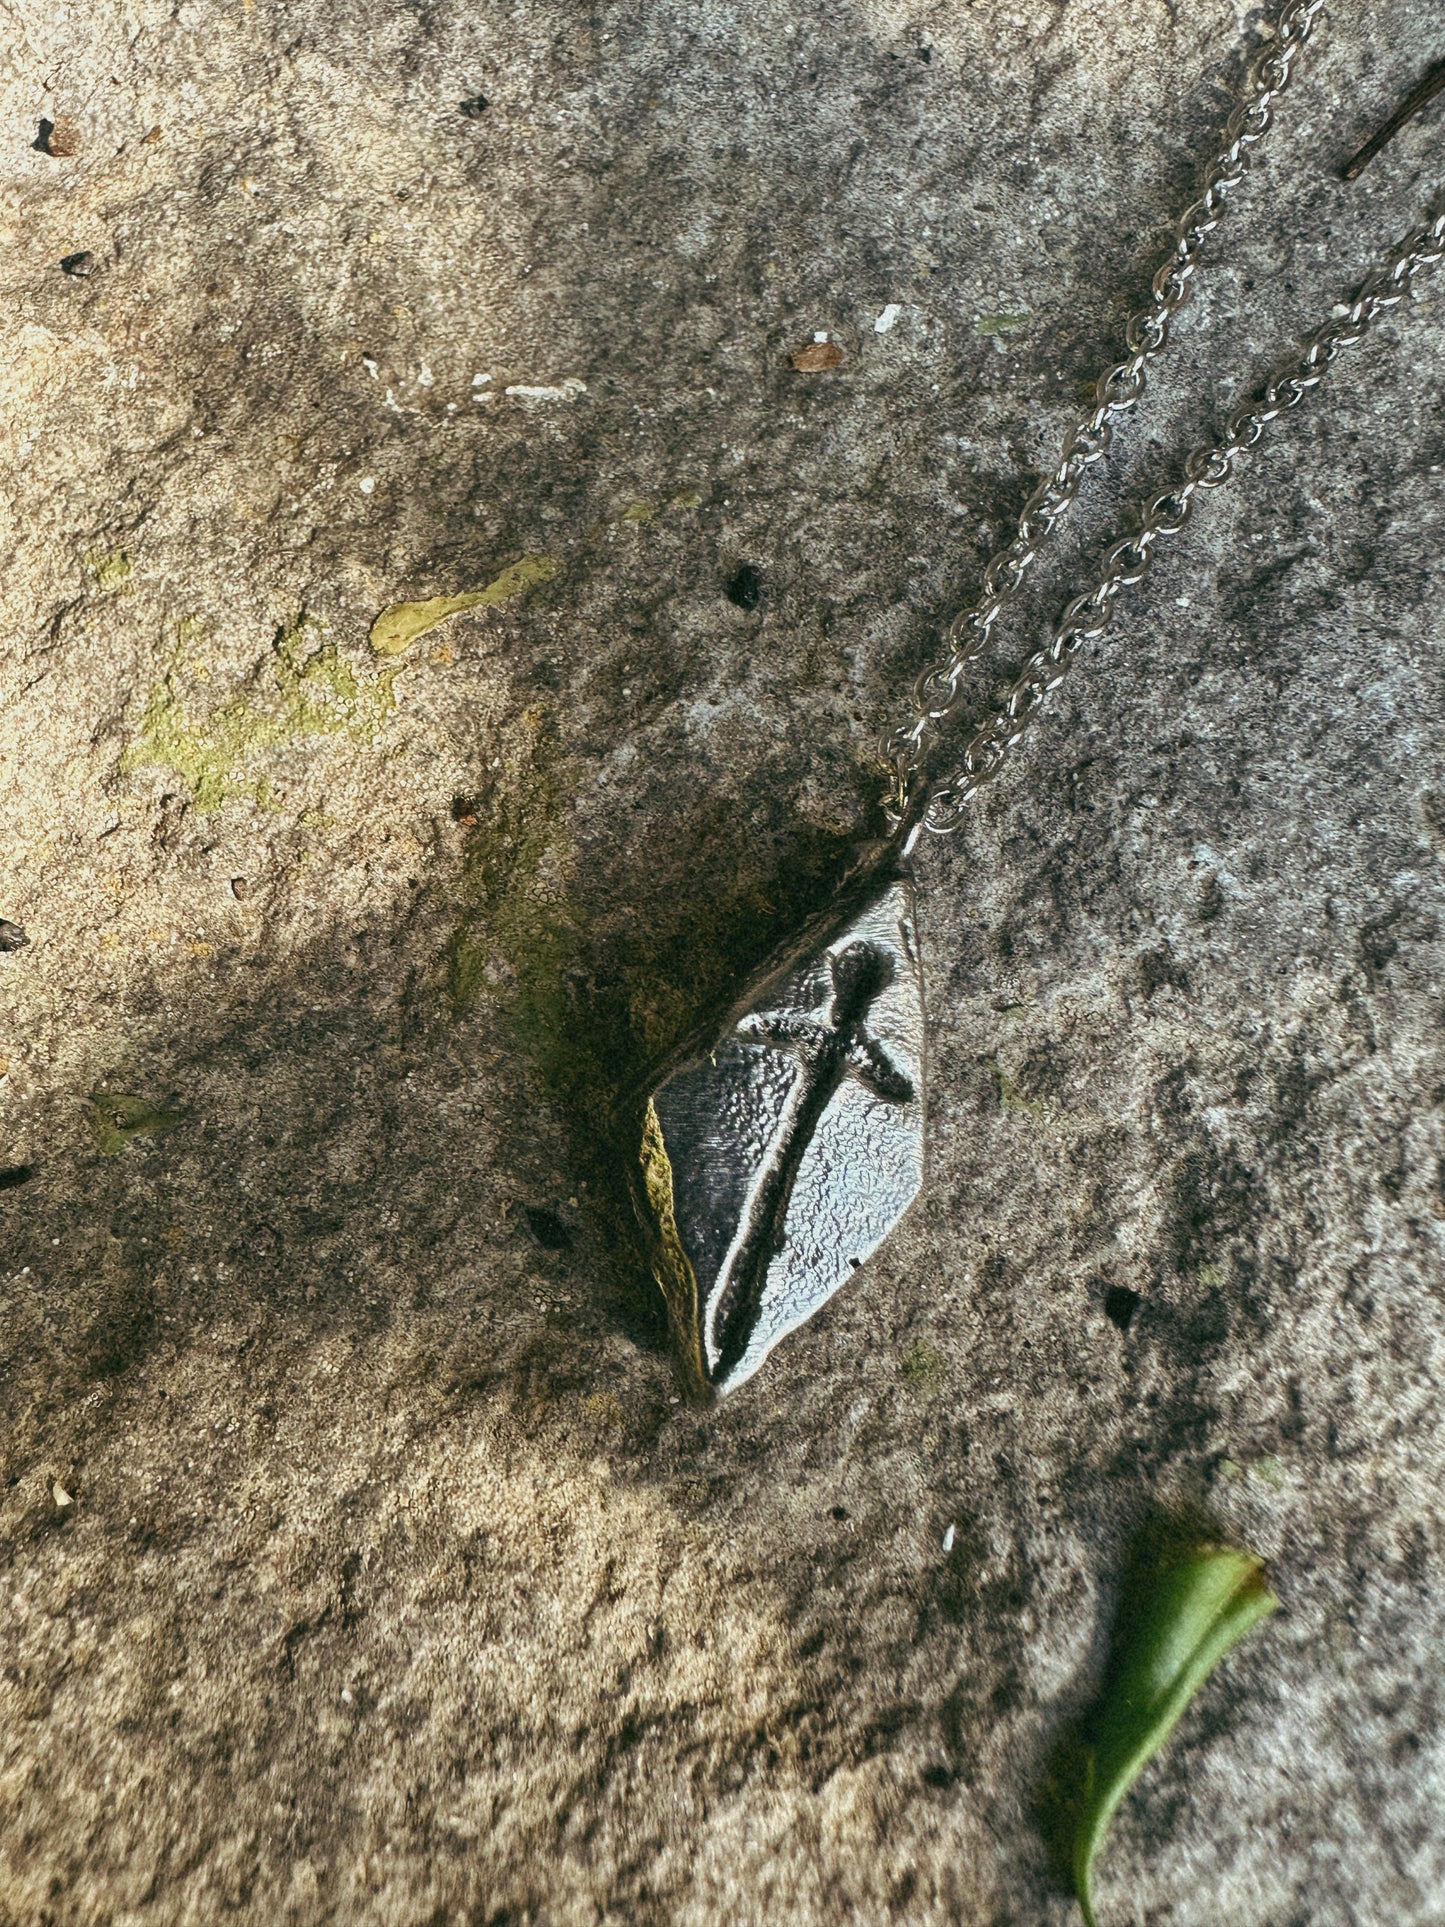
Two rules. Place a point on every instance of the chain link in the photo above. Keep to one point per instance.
(1129, 561)
(938, 691)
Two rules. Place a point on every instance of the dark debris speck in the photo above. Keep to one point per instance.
(744, 587)
(12, 1175)
(475, 107)
(60, 138)
(1120, 1305)
(12, 937)
(80, 264)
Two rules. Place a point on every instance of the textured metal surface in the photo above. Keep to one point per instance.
(778, 1164)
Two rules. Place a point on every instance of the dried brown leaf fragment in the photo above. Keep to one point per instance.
(817, 357)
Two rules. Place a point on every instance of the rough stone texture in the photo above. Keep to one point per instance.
(358, 1564)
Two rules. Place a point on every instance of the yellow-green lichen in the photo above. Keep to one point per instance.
(309, 691)
(923, 1369)
(1001, 324)
(1269, 1470)
(399, 625)
(109, 567)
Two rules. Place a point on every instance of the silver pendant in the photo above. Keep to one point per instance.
(775, 1162)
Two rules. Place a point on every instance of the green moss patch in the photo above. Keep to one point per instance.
(923, 1369)
(116, 1119)
(1012, 1099)
(598, 989)
(518, 935)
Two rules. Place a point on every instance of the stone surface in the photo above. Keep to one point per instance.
(390, 1585)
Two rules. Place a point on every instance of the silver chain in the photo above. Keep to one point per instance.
(938, 691)
(1129, 561)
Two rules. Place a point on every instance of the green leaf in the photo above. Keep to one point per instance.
(115, 1118)
(1191, 1610)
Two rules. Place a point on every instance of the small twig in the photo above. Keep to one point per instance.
(1432, 84)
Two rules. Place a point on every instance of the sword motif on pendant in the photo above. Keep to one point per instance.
(775, 1165)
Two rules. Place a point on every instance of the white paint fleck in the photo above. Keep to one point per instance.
(888, 318)
(949, 1537)
(367, 484)
(566, 390)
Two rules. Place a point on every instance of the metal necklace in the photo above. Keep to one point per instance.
(774, 1155)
